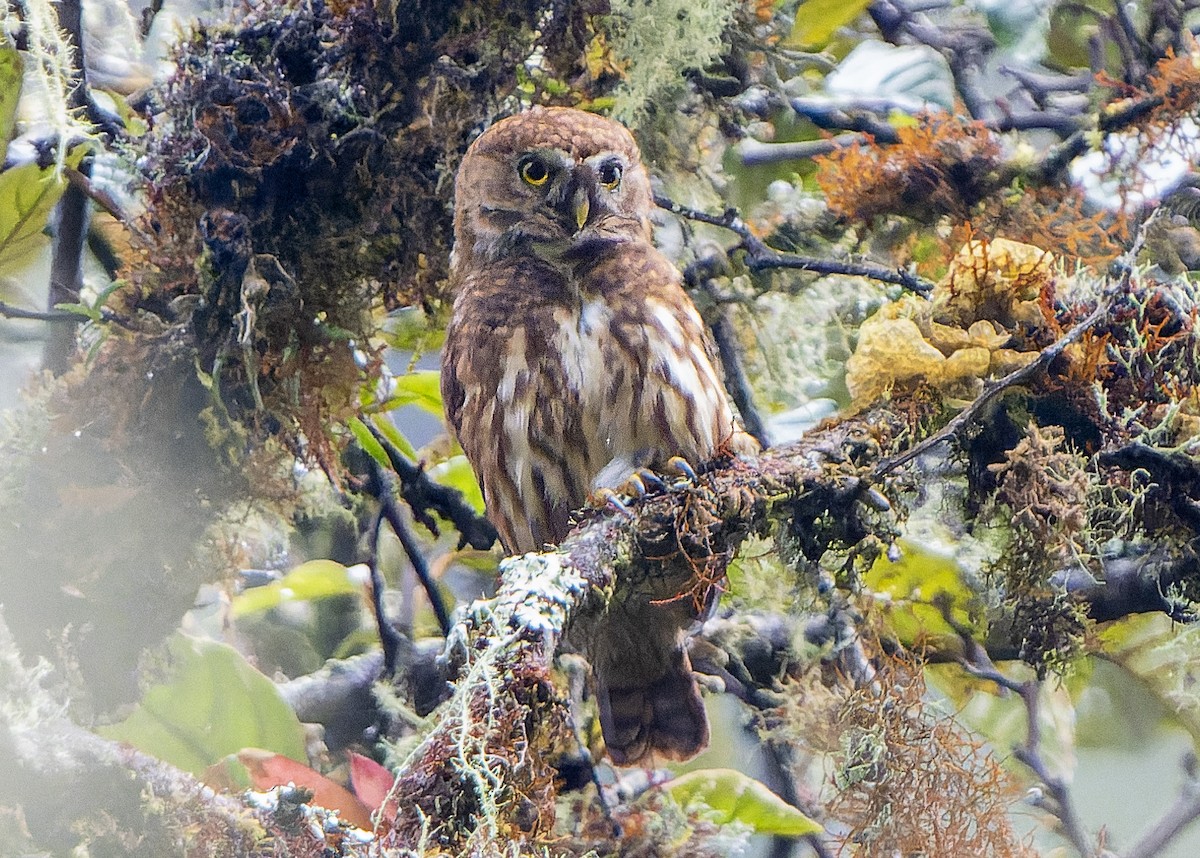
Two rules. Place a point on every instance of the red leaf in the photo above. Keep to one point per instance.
(269, 770)
(371, 781)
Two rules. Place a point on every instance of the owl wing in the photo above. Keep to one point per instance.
(503, 401)
(665, 396)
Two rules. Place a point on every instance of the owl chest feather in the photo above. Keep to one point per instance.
(583, 379)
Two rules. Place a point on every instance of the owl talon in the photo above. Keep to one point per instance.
(634, 487)
(612, 500)
(650, 480)
(681, 465)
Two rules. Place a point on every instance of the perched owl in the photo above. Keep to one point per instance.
(574, 358)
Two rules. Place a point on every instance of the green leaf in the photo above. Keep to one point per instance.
(28, 194)
(920, 585)
(316, 579)
(421, 388)
(456, 472)
(215, 703)
(11, 74)
(726, 795)
(367, 441)
(818, 20)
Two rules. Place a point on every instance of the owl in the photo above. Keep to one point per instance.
(573, 359)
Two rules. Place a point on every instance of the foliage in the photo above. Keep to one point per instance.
(293, 187)
(658, 40)
(28, 194)
(238, 708)
(728, 796)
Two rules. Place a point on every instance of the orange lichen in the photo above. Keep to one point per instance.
(905, 780)
(944, 165)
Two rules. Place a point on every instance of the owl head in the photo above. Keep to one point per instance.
(546, 180)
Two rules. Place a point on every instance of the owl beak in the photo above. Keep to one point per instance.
(581, 205)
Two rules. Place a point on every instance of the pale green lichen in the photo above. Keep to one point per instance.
(50, 74)
(660, 39)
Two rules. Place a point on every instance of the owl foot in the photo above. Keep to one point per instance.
(682, 465)
(611, 500)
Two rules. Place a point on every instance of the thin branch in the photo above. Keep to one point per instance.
(1181, 814)
(1018, 376)
(760, 256)
(392, 513)
(106, 201)
(423, 495)
(754, 152)
(736, 380)
(1029, 753)
(8, 311)
(389, 638)
(725, 339)
(864, 116)
(66, 265)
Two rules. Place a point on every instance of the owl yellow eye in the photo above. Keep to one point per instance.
(609, 175)
(534, 172)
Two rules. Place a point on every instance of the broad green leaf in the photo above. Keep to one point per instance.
(456, 472)
(11, 74)
(28, 194)
(214, 703)
(818, 20)
(727, 795)
(367, 441)
(316, 579)
(920, 585)
(421, 388)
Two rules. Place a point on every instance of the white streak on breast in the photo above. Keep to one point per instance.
(516, 414)
(578, 340)
(669, 323)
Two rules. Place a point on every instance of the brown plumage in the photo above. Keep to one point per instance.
(573, 358)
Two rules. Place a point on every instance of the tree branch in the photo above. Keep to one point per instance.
(1030, 754)
(762, 257)
(10, 312)
(1181, 814)
(66, 264)
(391, 512)
(423, 496)
(1018, 376)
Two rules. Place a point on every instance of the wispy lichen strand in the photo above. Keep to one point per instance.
(660, 39)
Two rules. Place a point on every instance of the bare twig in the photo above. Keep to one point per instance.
(736, 381)
(423, 496)
(756, 152)
(864, 116)
(1182, 813)
(389, 638)
(8, 311)
(1029, 753)
(1018, 376)
(760, 256)
(391, 512)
